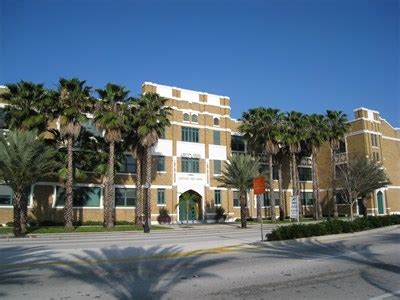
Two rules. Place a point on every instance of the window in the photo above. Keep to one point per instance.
(375, 156)
(5, 195)
(194, 119)
(128, 165)
(217, 167)
(305, 174)
(266, 201)
(237, 143)
(125, 197)
(236, 199)
(161, 196)
(374, 140)
(83, 196)
(216, 122)
(186, 117)
(190, 165)
(264, 169)
(342, 147)
(190, 134)
(217, 197)
(216, 137)
(160, 163)
(339, 198)
(90, 127)
(307, 198)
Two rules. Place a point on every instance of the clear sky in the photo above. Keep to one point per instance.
(307, 56)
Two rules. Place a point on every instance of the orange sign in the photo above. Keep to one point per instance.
(259, 185)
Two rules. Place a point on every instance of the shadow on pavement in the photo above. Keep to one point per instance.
(14, 260)
(135, 272)
(361, 254)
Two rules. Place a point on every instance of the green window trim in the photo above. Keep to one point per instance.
(190, 165)
(161, 197)
(217, 167)
(125, 197)
(160, 163)
(84, 196)
(190, 134)
(128, 165)
(307, 198)
(217, 197)
(216, 137)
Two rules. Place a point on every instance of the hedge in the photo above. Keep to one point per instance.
(296, 231)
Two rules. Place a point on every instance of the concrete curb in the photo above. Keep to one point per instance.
(327, 238)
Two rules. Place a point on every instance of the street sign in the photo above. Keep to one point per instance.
(294, 208)
(259, 185)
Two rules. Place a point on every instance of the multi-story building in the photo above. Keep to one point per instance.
(191, 155)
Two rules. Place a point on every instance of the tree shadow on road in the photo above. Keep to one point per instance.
(136, 272)
(362, 254)
(15, 260)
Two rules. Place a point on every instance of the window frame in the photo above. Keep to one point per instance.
(190, 165)
(216, 137)
(161, 192)
(125, 197)
(190, 134)
(217, 166)
(123, 169)
(73, 204)
(217, 197)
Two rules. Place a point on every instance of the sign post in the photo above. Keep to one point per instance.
(294, 208)
(259, 189)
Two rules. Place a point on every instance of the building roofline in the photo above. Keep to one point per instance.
(182, 89)
(358, 108)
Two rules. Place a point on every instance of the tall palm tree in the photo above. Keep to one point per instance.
(189, 201)
(24, 160)
(238, 174)
(263, 126)
(338, 126)
(111, 116)
(74, 101)
(30, 106)
(293, 135)
(151, 121)
(317, 135)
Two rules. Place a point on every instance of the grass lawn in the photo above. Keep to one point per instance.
(60, 229)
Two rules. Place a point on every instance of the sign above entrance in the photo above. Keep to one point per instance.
(190, 155)
(259, 185)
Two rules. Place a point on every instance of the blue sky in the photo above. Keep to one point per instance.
(307, 56)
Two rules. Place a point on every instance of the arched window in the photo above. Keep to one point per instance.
(194, 118)
(186, 117)
(216, 122)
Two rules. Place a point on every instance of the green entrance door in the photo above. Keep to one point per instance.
(379, 196)
(188, 206)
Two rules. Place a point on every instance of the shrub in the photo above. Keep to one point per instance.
(220, 213)
(164, 217)
(331, 227)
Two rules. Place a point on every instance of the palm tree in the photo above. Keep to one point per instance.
(111, 116)
(293, 135)
(152, 118)
(338, 126)
(238, 174)
(24, 160)
(74, 102)
(30, 106)
(189, 201)
(317, 135)
(262, 126)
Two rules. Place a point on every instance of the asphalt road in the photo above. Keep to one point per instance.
(210, 262)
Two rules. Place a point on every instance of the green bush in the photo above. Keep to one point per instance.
(296, 231)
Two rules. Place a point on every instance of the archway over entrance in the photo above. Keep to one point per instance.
(189, 206)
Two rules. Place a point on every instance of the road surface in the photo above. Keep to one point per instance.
(214, 262)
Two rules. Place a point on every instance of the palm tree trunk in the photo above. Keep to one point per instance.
(281, 201)
(317, 205)
(109, 189)
(69, 186)
(243, 220)
(147, 222)
(139, 200)
(24, 213)
(271, 188)
(333, 165)
(17, 213)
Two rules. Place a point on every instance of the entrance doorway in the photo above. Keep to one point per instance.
(379, 196)
(189, 206)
